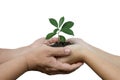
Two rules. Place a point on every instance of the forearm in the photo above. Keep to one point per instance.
(114, 59)
(8, 54)
(106, 65)
(5, 55)
(103, 64)
(12, 69)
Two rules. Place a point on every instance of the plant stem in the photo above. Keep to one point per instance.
(58, 36)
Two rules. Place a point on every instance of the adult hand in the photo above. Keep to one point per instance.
(78, 50)
(41, 57)
(94, 57)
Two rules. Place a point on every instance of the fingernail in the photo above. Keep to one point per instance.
(67, 51)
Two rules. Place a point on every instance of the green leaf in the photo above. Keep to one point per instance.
(53, 22)
(62, 38)
(55, 31)
(67, 31)
(68, 24)
(61, 21)
(50, 35)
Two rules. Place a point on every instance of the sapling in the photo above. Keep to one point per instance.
(60, 26)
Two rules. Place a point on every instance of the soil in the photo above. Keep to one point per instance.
(60, 44)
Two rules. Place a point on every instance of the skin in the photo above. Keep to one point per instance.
(106, 65)
(38, 56)
(80, 52)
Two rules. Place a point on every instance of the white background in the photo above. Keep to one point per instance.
(96, 21)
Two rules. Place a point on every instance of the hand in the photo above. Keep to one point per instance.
(41, 57)
(78, 50)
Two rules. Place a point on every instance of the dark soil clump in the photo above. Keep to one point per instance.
(60, 44)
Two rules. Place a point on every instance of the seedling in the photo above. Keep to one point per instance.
(60, 26)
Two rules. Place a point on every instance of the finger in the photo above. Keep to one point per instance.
(63, 69)
(75, 40)
(57, 72)
(75, 66)
(53, 40)
(53, 71)
(67, 67)
(38, 42)
(70, 40)
(50, 41)
(60, 52)
(41, 40)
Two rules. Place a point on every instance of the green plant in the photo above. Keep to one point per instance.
(60, 27)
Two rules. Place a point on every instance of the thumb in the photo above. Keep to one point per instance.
(60, 52)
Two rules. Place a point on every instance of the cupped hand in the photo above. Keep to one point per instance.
(41, 57)
(78, 50)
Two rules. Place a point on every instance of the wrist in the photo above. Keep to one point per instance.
(24, 63)
(24, 53)
(89, 52)
(84, 51)
(21, 51)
